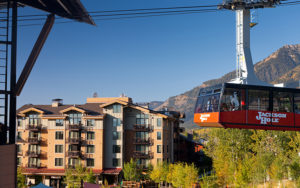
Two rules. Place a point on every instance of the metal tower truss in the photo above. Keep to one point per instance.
(244, 66)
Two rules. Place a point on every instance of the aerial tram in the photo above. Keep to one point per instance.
(247, 102)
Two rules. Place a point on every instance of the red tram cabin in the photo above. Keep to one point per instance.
(248, 107)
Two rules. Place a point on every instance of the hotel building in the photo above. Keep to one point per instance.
(101, 134)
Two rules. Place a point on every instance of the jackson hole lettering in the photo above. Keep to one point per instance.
(265, 118)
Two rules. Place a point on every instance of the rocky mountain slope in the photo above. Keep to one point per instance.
(282, 66)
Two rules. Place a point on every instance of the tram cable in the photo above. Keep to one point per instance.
(137, 13)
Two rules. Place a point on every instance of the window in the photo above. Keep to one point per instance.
(59, 135)
(19, 122)
(58, 161)
(116, 122)
(210, 103)
(158, 149)
(282, 101)
(142, 148)
(19, 148)
(116, 149)
(34, 148)
(158, 135)
(74, 134)
(34, 161)
(142, 119)
(90, 135)
(159, 122)
(58, 148)
(297, 103)
(59, 122)
(90, 149)
(19, 161)
(34, 119)
(74, 147)
(34, 135)
(74, 118)
(258, 100)
(116, 135)
(142, 135)
(116, 162)
(159, 160)
(90, 162)
(90, 122)
(167, 148)
(143, 163)
(232, 100)
(116, 108)
(73, 162)
(19, 135)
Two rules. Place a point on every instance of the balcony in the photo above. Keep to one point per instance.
(20, 153)
(33, 165)
(74, 127)
(74, 154)
(143, 155)
(34, 128)
(143, 127)
(20, 140)
(34, 140)
(142, 141)
(70, 166)
(33, 154)
(74, 140)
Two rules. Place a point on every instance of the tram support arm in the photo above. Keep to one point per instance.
(35, 53)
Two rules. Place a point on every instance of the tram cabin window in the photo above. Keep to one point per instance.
(208, 103)
(258, 100)
(282, 101)
(297, 103)
(232, 100)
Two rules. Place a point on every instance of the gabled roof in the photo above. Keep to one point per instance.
(131, 105)
(91, 109)
(72, 108)
(23, 112)
(113, 102)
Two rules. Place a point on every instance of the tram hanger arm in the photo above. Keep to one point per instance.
(35, 52)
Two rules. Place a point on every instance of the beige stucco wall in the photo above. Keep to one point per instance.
(47, 146)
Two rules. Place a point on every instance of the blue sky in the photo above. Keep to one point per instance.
(145, 58)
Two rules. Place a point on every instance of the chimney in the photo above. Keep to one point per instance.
(57, 102)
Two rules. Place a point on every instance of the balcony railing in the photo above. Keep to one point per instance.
(34, 154)
(74, 140)
(70, 166)
(74, 127)
(20, 153)
(143, 155)
(142, 141)
(37, 127)
(34, 165)
(20, 140)
(143, 127)
(34, 140)
(74, 154)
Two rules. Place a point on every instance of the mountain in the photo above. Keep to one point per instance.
(155, 104)
(282, 66)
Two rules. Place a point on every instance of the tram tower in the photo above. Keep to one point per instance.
(244, 65)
